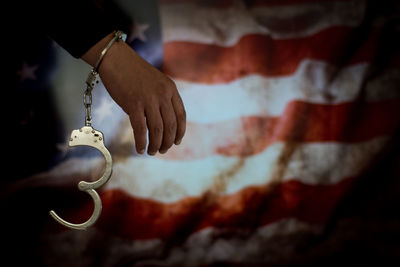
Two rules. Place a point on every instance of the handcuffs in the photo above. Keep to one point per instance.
(88, 136)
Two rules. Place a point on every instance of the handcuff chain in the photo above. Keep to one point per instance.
(87, 97)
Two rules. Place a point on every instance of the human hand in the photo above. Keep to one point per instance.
(149, 97)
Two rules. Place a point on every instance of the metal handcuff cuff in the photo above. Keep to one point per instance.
(88, 136)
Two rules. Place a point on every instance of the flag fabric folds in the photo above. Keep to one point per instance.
(289, 103)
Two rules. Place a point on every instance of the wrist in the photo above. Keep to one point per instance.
(96, 53)
(117, 62)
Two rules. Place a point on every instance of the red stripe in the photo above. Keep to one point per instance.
(138, 218)
(260, 54)
(300, 122)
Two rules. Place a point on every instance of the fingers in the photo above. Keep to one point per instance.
(138, 122)
(166, 125)
(155, 126)
(169, 119)
(180, 114)
(165, 119)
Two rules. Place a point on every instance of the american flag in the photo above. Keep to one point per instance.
(288, 104)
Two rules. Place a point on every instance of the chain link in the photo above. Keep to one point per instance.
(87, 97)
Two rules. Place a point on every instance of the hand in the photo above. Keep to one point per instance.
(148, 96)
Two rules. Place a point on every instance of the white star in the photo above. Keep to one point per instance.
(27, 72)
(103, 110)
(138, 32)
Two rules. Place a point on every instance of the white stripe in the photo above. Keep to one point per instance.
(168, 181)
(201, 24)
(203, 247)
(255, 95)
(316, 163)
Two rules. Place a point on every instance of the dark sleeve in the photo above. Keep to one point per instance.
(76, 25)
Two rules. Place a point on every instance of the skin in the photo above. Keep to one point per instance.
(149, 97)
